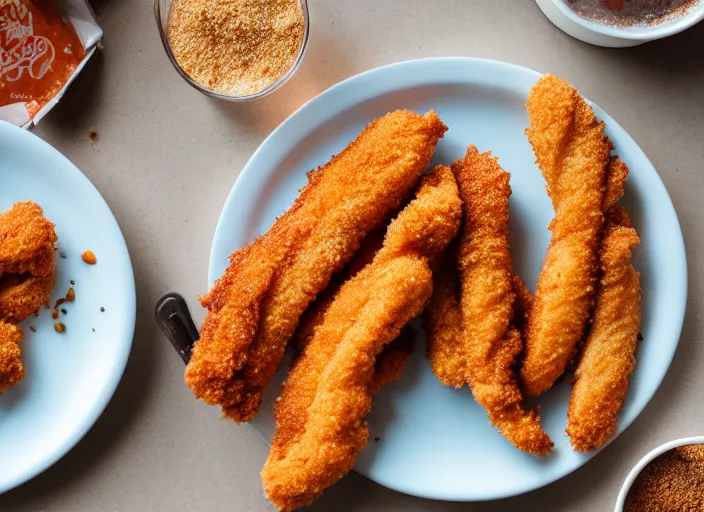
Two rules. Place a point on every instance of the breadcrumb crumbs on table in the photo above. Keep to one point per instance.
(59, 327)
(235, 47)
(92, 136)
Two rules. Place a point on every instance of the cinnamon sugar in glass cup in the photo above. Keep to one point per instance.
(162, 9)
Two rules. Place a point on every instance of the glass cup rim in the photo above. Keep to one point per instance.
(208, 92)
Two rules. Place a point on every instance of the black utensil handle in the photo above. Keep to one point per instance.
(175, 320)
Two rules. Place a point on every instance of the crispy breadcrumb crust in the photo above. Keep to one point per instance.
(572, 152)
(608, 356)
(313, 316)
(253, 309)
(392, 360)
(320, 426)
(21, 296)
(482, 350)
(27, 271)
(26, 241)
(11, 367)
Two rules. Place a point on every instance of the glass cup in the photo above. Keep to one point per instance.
(161, 11)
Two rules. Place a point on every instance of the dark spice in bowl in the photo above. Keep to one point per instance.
(674, 481)
(625, 13)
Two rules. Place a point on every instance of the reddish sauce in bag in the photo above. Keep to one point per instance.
(38, 52)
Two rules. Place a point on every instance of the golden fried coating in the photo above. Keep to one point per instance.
(572, 153)
(26, 241)
(22, 295)
(11, 367)
(392, 360)
(27, 271)
(522, 305)
(485, 351)
(443, 318)
(313, 316)
(320, 415)
(253, 309)
(608, 356)
(616, 174)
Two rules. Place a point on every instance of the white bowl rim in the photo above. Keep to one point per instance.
(658, 31)
(623, 493)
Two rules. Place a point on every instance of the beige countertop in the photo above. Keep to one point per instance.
(166, 156)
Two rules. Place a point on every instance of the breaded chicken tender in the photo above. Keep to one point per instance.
(390, 363)
(27, 271)
(26, 241)
(313, 316)
(392, 360)
(320, 426)
(21, 296)
(487, 345)
(443, 317)
(11, 367)
(27, 261)
(573, 153)
(608, 356)
(254, 308)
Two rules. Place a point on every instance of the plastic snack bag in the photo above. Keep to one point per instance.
(44, 44)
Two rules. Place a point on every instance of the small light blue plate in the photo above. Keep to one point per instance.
(70, 377)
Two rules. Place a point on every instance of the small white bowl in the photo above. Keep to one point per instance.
(621, 500)
(567, 20)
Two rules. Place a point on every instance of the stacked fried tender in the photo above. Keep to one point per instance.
(391, 362)
(572, 153)
(27, 273)
(472, 333)
(254, 308)
(320, 427)
(584, 262)
(601, 379)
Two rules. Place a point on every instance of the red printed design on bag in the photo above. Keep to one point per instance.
(38, 52)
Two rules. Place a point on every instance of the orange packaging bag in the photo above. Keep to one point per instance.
(43, 46)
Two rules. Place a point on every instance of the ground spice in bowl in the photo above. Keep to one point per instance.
(631, 13)
(235, 47)
(674, 481)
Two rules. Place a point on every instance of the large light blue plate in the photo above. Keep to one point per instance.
(436, 442)
(70, 377)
